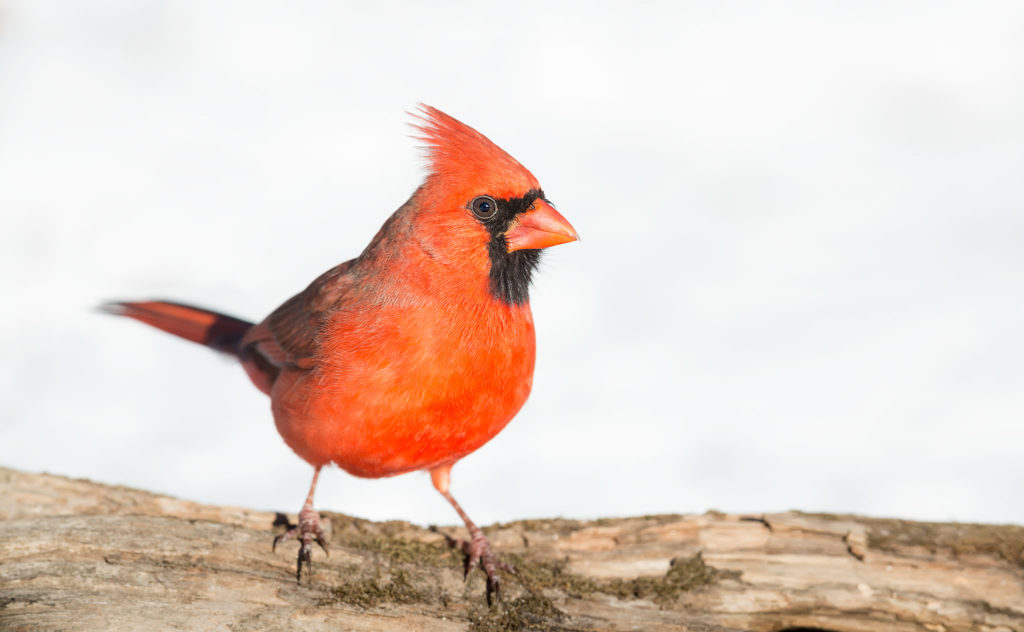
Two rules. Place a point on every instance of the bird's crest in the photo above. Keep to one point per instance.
(466, 161)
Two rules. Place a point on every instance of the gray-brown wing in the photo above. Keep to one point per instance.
(290, 336)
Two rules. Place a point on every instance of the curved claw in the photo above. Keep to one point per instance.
(477, 553)
(493, 588)
(305, 555)
(307, 531)
(469, 562)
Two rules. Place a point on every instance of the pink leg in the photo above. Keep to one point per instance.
(477, 550)
(307, 531)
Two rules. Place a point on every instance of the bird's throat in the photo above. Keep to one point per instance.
(511, 272)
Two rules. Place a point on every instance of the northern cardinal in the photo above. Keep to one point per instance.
(418, 351)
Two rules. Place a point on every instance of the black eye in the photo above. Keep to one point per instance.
(484, 207)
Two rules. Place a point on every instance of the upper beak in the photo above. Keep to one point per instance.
(540, 227)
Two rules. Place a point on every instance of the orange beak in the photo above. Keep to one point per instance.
(538, 228)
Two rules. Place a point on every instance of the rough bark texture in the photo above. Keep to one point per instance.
(77, 555)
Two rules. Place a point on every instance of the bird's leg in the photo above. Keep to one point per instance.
(477, 550)
(306, 532)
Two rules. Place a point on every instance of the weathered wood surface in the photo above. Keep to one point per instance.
(77, 555)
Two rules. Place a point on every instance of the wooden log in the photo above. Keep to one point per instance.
(77, 555)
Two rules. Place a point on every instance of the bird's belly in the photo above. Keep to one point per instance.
(381, 411)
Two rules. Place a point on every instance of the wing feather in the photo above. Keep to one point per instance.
(290, 336)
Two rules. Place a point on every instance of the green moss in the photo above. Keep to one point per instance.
(410, 576)
(369, 592)
(536, 612)
(402, 551)
(1005, 542)
(387, 539)
(565, 527)
(540, 576)
(560, 526)
(531, 612)
(684, 575)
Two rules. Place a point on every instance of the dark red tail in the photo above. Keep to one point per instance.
(217, 331)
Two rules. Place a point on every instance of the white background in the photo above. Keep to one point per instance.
(800, 285)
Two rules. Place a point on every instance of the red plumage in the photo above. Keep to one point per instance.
(420, 350)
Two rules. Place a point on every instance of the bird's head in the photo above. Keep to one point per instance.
(478, 196)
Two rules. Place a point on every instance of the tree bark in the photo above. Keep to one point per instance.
(78, 555)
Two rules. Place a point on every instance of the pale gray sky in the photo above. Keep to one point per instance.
(800, 285)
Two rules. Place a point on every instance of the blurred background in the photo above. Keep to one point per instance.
(800, 285)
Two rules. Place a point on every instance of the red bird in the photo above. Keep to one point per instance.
(418, 351)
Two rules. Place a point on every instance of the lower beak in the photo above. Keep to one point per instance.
(540, 227)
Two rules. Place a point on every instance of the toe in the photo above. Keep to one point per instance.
(283, 537)
(493, 590)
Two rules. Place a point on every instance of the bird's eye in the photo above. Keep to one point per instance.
(484, 207)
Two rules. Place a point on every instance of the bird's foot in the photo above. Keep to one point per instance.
(477, 553)
(306, 532)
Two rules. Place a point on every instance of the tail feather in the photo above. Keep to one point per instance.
(212, 329)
